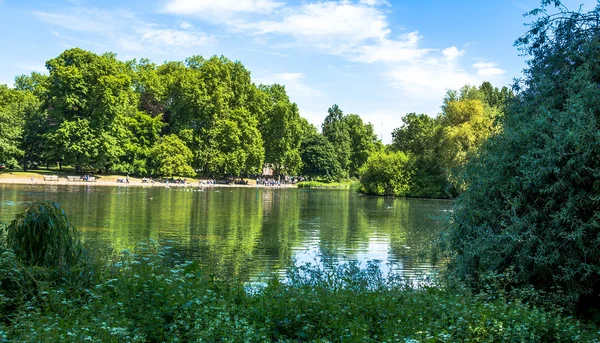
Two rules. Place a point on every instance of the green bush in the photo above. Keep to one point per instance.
(42, 236)
(146, 296)
(530, 214)
(386, 174)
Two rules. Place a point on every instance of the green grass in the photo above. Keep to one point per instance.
(349, 184)
(146, 296)
(152, 295)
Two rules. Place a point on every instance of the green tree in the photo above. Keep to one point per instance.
(529, 212)
(386, 174)
(208, 107)
(138, 135)
(336, 131)
(419, 137)
(171, 157)
(13, 105)
(35, 123)
(363, 142)
(318, 158)
(281, 130)
(416, 135)
(465, 125)
(87, 92)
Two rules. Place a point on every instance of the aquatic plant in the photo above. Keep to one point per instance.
(42, 236)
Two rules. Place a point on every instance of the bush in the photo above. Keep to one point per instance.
(147, 296)
(531, 208)
(386, 174)
(42, 236)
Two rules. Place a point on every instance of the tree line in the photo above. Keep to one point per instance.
(197, 117)
(426, 156)
(206, 117)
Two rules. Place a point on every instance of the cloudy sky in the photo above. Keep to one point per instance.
(379, 59)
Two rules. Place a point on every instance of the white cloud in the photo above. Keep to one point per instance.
(219, 8)
(488, 69)
(171, 37)
(452, 53)
(294, 84)
(429, 78)
(122, 29)
(387, 50)
(374, 2)
(185, 25)
(325, 23)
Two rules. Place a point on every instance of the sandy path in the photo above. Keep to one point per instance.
(132, 183)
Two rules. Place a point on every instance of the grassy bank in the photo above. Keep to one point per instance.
(146, 296)
(350, 184)
(53, 290)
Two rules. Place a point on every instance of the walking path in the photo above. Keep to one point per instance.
(38, 179)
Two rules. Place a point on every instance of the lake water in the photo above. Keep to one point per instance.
(249, 232)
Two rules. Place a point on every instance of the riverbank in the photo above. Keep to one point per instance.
(37, 178)
(143, 296)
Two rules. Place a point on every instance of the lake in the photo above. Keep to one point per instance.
(250, 233)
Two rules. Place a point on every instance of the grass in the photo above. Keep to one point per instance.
(149, 295)
(348, 184)
(152, 295)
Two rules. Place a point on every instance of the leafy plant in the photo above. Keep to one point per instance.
(42, 236)
(531, 207)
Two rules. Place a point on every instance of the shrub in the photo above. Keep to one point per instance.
(531, 208)
(386, 174)
(42, 236)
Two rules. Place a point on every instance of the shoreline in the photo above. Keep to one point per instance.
(133, 183)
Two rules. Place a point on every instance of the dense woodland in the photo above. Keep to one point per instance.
(198, 117)
(206, 117)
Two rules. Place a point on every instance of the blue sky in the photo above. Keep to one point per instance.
(379, 59)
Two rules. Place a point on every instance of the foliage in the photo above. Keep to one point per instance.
(281, 130)
(440, 147)
(331, 185)
(335, 130)
(13, 106)
(386, 174)
(352, 140)
(318, 158)
(86, 95)
(466, 125)
(147, 296)
(171, 157)
(419, 137)
(363, 142)
(530, 210)
(42, 236)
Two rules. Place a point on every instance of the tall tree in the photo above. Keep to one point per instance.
(281, 129)
(171, 157)
(13, 104)
(363, 142)
(530, 214)
(335, 130)
(86, 94)
(35, 118)
(318, 158)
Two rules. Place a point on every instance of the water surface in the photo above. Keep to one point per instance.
(249, 232)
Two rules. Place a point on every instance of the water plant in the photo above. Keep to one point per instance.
(42, 236)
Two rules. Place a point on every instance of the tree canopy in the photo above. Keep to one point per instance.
(529, 215)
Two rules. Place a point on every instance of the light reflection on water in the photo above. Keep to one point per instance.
(250, 233)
